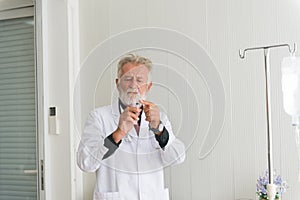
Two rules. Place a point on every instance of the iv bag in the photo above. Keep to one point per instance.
(290, 68)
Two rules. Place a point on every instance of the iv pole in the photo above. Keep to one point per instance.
(271, 188)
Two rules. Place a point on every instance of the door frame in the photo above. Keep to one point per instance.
(40, 100)
(11, 9)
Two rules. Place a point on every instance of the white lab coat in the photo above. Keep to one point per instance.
(135, 170)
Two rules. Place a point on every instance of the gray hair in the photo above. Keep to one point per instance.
(136, 59)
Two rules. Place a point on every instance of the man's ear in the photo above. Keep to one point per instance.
(117, 81)
(149, 85)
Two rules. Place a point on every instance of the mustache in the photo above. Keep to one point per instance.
(132, 90)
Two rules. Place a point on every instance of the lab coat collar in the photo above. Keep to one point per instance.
(115, 109)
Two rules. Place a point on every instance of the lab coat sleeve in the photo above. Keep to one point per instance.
(91, 148)
(174, 152)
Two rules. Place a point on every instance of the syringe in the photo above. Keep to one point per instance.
(137, 102)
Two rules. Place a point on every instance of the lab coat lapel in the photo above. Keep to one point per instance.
(144, 126)
(115, 112)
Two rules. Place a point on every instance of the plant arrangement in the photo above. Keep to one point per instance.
(262, 182)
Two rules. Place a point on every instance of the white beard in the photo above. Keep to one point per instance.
(130, 99)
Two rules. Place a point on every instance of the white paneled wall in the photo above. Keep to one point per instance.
(221, 28)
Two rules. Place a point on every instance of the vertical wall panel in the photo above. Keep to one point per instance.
(126, 15)
(94, 27)
(175, 15)
(196, 21)
(221, 174)
(156, 16)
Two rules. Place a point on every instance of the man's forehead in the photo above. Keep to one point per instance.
(134, 70)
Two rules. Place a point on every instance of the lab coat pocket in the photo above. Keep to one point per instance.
(107, 196)
(154, 144)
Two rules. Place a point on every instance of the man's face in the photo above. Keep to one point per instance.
(133, 83)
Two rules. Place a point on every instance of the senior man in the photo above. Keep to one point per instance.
(129, 142)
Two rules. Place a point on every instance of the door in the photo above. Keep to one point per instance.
(19, 162)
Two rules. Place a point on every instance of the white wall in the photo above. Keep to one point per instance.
(221, 27)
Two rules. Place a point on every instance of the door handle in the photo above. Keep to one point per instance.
(30, 171)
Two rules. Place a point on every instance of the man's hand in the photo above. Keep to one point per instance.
(152, 113)
(126, 122)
